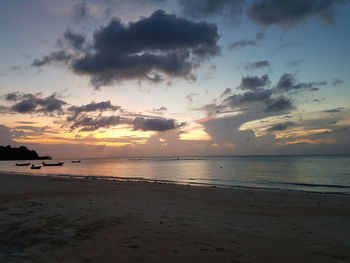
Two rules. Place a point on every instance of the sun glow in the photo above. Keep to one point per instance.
(195, 134)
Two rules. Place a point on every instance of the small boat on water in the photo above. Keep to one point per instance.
(22, 164)
(52, 164)
(35, 167)
(77, 161)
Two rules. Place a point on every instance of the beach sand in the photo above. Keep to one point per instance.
(47, 219)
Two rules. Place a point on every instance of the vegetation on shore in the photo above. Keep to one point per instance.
(20, 153)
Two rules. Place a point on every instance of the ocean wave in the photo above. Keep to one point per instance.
(312, 185)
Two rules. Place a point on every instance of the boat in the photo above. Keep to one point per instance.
(52, 164)
(35, 167)
(78, 161)
(22, 164)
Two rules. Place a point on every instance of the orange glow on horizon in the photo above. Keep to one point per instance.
(299, 133)
(308, 141)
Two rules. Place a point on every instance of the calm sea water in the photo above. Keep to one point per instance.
(306, 173)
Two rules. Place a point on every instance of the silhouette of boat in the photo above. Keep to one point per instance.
(22, 164)
(35, 167)
(52, 164)
(78, 161)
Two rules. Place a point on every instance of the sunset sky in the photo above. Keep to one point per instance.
(118, 78)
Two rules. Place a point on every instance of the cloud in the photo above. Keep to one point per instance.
(159, 45)
(92, 116)
(212, 110)
(295, 63)
(34, 103)
(257, 95)
(281, 126)
(80, 11)
(337, 82)
(257, 65)
(73, 39)
(289, 13)
(92, 124)
(203, 8)
(155, 124)
(91, 107)
(12, 96)
(160, 109)
(7, 135)
(190, 96)
(60, 56)
(278, 105)
(254, 82)
(247, 42)
(83, 117)
(226, 92)
(339, 109)
(288, 82)
(260, 96)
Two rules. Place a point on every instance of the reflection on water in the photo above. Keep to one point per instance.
(309, 173)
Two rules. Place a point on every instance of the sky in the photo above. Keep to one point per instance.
(117, 78)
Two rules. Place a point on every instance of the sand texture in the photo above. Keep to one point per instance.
(45, 219)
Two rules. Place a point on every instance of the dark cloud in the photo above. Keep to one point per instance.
(289, 13)
(257, 65)
(214, 109)
(80, 11)
(337, 82)
(60, 56)
(254, 82)
(152, 48)
(35, 103)
(203, 8)
(295, 63)
(91, 107)
(25, 130)
(161, 43)
(247, 42)
(89, 117)
(258, 95)
(73, 39)
(226, 92)
(155, 124)
(92, 124)
(278, 105)
(11, 96)
(334, 110)
(160, 109)
(190, 96)
(242, 43)
(281, 126)
(288, 82)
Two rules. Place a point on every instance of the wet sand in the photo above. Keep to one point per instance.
(46, 219)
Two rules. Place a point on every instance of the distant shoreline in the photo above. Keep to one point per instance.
(40, 158)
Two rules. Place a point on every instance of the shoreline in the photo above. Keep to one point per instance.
(63, 220)
(160, 181)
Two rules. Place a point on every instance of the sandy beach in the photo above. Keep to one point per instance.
(48, 219)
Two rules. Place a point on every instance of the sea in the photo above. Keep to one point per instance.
(323, 174)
